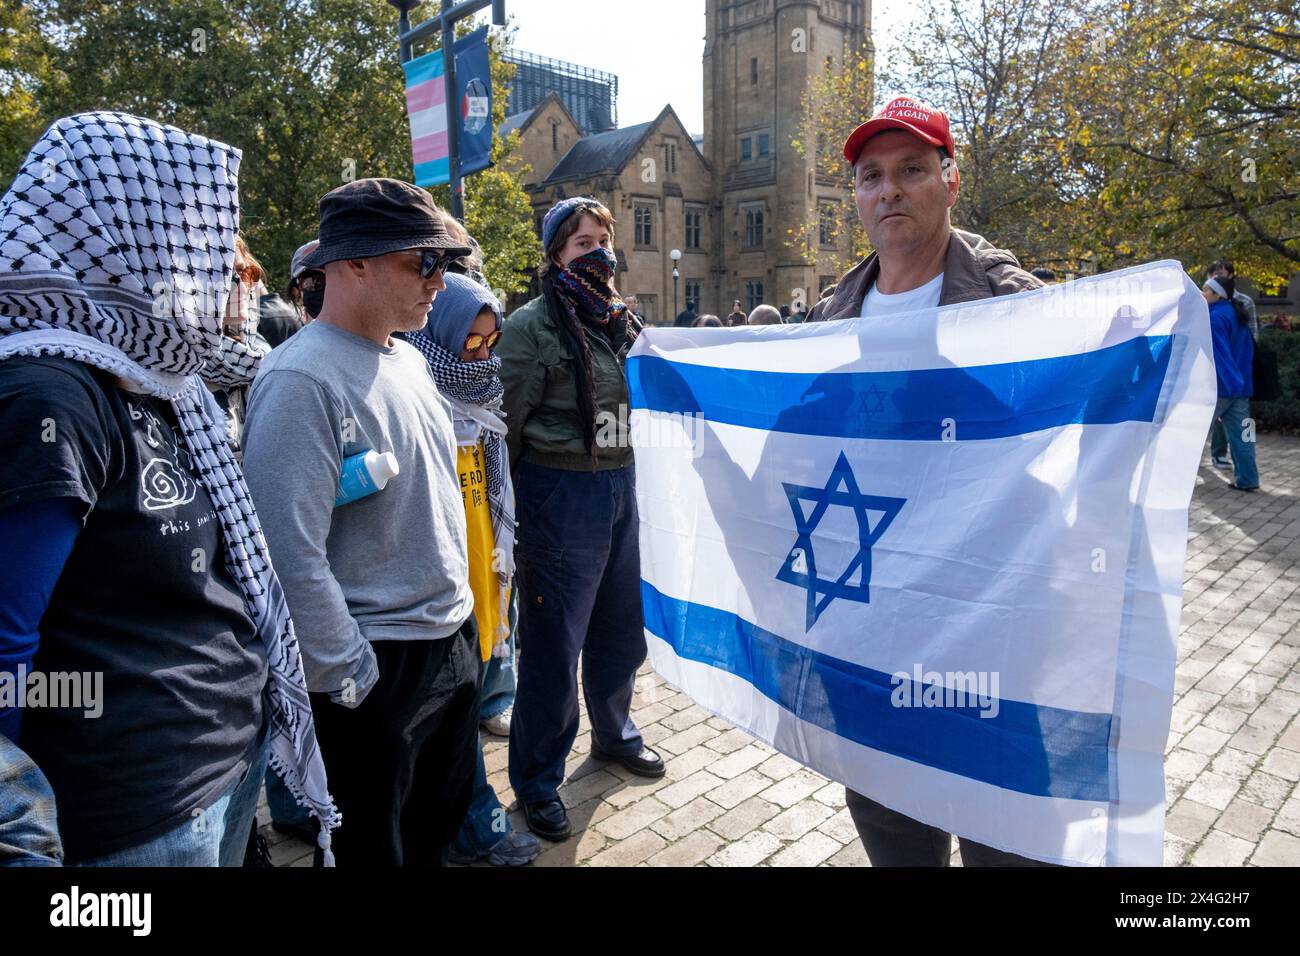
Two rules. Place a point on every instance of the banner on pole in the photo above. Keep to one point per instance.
(426, 99)
(938, 556)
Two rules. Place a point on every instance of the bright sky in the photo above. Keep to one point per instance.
(654, 48)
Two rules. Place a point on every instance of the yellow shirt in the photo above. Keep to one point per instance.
(483, 579)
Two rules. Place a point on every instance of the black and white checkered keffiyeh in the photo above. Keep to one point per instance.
(117, 247)
(475, 392)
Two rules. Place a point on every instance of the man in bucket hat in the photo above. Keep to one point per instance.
(905, 182)
(379, 585)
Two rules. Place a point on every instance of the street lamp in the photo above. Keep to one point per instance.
(675, 255)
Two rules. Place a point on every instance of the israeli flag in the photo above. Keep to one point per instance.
(938, 556)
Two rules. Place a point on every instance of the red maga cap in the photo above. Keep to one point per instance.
(903, 112)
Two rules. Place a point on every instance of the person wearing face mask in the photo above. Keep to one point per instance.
(578, 569)
(306, 288)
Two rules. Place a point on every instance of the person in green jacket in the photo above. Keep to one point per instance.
(578, 568)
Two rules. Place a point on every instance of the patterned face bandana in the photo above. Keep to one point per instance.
(587, 282)
(475, 393)
(117, 246)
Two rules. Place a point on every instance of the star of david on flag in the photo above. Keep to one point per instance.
(800, 568)
(873, 544)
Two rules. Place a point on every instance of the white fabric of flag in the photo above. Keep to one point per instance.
(937, 556)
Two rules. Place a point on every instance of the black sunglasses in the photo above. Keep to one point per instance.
(432, 260)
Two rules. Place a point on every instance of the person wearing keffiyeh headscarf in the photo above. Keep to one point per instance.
(130, 550)
(457, 341)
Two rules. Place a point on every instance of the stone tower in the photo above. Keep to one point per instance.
(759, 56)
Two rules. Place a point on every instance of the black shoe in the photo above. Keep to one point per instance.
(548, 820)
(647, 763)
(257, 853)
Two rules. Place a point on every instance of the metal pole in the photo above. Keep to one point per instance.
(453, 111)
(446, 22)
(674, 293)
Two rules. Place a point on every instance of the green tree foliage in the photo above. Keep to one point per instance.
(1186, 118)
(25, 66)
(312, 91)
(836, 103)
(1100, 135)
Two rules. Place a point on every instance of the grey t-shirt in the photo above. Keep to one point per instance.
(391, 566)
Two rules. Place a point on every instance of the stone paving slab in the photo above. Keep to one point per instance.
(1232, 761)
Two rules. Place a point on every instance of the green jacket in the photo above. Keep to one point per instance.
(541, 400)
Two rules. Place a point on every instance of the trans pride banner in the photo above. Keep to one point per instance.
(938, 556)
(426, 107)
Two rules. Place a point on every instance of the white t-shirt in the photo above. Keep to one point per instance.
(922, 297)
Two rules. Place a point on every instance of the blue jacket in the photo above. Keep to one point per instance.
(1234, 351)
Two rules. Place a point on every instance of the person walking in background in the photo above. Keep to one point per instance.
(380, 584)
(1234, 353)
(1223, 270)
(579, 572)
(1245, 305)
(463, 328)
(129, 544)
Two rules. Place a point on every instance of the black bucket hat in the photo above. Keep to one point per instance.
(373, 217)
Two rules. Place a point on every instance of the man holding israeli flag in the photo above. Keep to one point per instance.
(935, 550)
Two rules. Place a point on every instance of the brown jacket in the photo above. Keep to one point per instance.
(973, 269)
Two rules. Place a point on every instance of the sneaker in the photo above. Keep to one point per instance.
(517, 848)
(1220, 462)
(499, 724)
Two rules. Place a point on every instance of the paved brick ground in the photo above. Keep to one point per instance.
(1232, 765)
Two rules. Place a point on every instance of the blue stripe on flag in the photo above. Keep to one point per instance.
(423, 68)
(1038, 750)
(1120, 383)
(433, 174)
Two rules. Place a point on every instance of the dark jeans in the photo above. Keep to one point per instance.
(894, 839)
(578, 573)
(401, 763)
(486, 823)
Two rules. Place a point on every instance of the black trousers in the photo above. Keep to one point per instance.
(895, 839)
(401, 763)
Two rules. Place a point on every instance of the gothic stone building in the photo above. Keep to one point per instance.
(730, 201)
